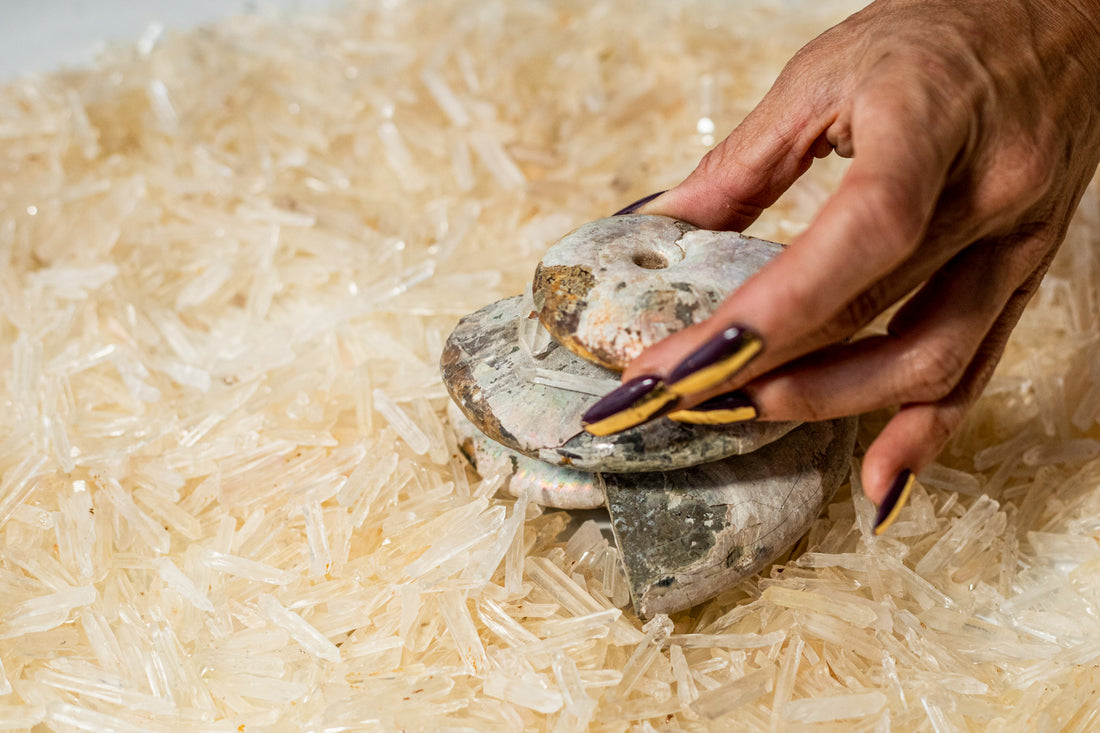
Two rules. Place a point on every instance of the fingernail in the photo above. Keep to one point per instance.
(637, 204)
(725, 408)
(895, 499)
(641, 399)
(715, 361)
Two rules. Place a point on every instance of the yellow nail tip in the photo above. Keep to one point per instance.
(713, 417)
(634, 415)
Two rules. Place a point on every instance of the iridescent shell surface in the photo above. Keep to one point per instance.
(545, 484)
(489, 376)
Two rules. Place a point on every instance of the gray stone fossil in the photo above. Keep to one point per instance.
(686, 536)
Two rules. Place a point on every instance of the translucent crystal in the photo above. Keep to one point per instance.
(183, 585)
(228, 494)
(570, 382)
(302, 631)
(657, 631)
(452, 605)
(245, 568)
(958, 536)
(727, 698)
(838, 707)
(409, 431)
(45, 612)
(523, 692)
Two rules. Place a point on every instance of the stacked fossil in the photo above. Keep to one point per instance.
(694, 507)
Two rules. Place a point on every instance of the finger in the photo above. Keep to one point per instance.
(918, 432)
(869, 227)
(774, 145)
(936, 252)
(931, 341)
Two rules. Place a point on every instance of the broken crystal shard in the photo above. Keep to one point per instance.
(687, 535)
(484, 370)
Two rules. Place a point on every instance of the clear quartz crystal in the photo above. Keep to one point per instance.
(409, 431)
(302, 631)
(956, 538)
(656, 631)
(80, 718)
(839, 707)
(228, 493)
(182, 584)
(245, 568)
(570, 382)
(727, 698)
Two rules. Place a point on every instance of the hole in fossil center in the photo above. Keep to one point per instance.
(650, 260)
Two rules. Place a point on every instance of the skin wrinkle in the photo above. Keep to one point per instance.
(975, 129)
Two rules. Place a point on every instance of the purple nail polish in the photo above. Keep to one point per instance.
(736, 400)
(637, 204)
(895, 499)
(716, 360)
(621, 398)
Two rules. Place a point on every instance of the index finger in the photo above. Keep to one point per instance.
(903, 148)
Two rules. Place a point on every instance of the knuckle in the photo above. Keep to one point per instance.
(1036, 171)
(1023, 257)
(931, 371)
(941, 424)
(798, 400)
(857, 313)
(734, 175)
(715, 163)
(1022, 177)
(883, 221)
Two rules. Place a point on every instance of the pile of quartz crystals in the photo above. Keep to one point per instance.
(228, 501)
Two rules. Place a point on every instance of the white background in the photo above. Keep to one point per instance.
(41, 35)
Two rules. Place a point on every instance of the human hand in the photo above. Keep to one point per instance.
(973, 130)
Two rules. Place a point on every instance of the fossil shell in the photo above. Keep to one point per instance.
(489, 376)
(552, 486)
(686, 536)
(615, 286)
